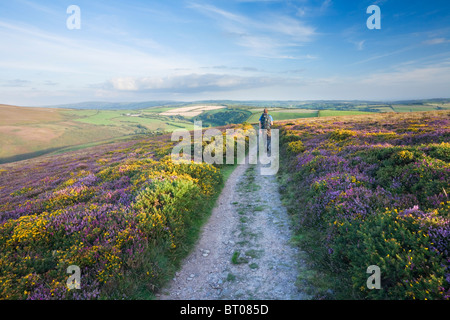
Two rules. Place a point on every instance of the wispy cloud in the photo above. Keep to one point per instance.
(270, 37)
(436, 41)
(226, 68)
(384, 55)
(359, 44)
(308, 9)
(215, 11)
(16, 83)
(30, 48)
(190, 83)
(437, 75)
(259, 0)
(204, 48)
(41, 8)
(325, 5)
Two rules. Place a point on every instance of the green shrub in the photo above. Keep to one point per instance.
(399, 247)
(289, 138)
(295, 147)
(167, 208)
(421, 178)
(403, 157)
(342, 134)
(440, 151)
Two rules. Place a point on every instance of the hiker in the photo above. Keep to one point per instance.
(265, 122)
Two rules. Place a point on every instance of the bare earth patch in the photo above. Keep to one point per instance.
(244, 251)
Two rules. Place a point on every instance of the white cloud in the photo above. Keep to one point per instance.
(214, 11)
(360, 45)
(384, 55)
(16, 83)
(271, 36)
(307, 9)
(398, 84)
(325, 5)
(44, 9)
(29, 48)
(190, 83)
(436, 41)
(427, 76)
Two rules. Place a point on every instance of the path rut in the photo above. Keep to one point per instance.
(244, 250)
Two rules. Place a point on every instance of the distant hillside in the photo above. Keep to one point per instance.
(27, 132)
(104, 105)
(311, 104)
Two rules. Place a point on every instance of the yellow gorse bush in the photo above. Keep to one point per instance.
(134, 202)
(27, 229)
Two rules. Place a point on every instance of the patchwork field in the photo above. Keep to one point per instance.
(279, 114)
(418, 108)
(190, 112)
(339, 113)
(26, 132)
(29, 132)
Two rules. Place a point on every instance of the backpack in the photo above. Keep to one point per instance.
(265, 121)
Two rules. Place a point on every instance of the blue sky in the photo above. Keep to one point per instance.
(223, 49)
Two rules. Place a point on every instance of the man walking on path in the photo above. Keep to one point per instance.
(265, 122)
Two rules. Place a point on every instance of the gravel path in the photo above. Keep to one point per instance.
(243, 252)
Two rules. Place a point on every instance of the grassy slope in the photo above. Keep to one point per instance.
(29, 132)
(338, 113)
(279, 114)
(416, 108)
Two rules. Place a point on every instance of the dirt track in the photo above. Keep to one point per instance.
(243, 252)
